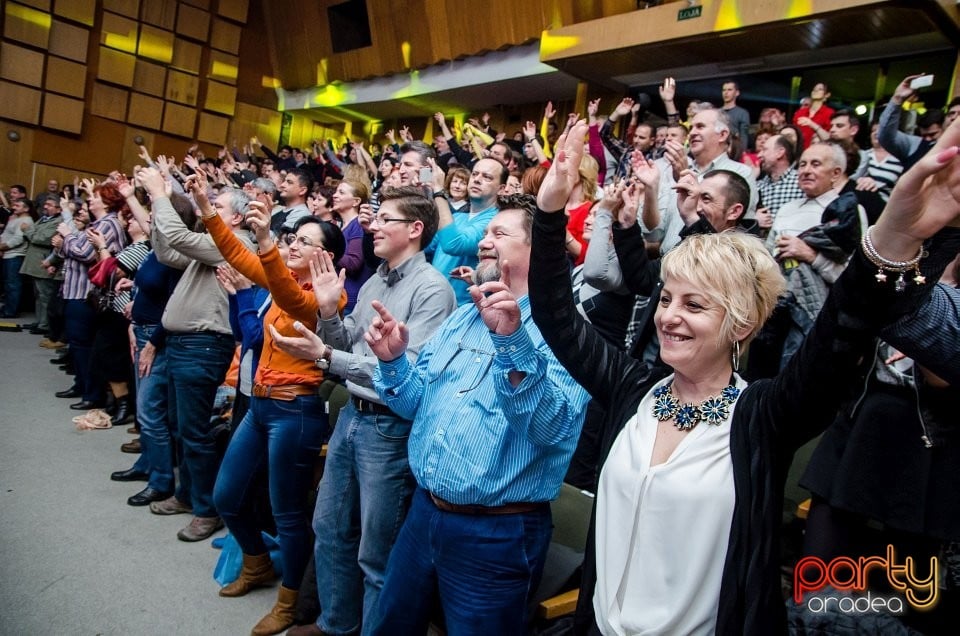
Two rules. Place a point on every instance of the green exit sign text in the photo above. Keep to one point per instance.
(689, 12)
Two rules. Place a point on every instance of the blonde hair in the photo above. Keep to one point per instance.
(359, 189)
(734, 270)
(357, 173)
(589, 171)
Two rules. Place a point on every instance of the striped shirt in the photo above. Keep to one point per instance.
(476, 439)
(885, 172)
(79, 254)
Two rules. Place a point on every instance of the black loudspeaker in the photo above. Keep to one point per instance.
(349, 26)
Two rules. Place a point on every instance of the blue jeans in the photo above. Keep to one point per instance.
(79, 320)
(288, 436)
(197, 364)
(486, 568)
(156, 459)
(12, 285)
(361, 504)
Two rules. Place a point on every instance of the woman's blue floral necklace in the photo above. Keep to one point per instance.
(714, 410)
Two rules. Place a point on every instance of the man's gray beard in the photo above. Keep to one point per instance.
(487, 273)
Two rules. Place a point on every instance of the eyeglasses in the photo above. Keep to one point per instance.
(382, 220)
(290, 239)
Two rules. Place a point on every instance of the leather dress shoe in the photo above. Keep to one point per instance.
(133, 446)
(72, 392)
(130, 475)
(59, 360)
(85, 405)
(37, 331)
(147, 495)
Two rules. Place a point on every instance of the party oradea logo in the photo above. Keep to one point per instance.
(914, 584)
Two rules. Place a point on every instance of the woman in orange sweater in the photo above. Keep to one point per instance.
(286, 423)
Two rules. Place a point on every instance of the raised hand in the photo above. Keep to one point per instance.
(903, 91)
(572, 118)
(386, 337)
(125, 187)
(623, 108)
(258, 218)
(593, 107)
(463, 272)
(668, 89)
(645, 171)
(308, 346)
(144, 153)
(405, 134)
(564, 171)
(530, 131)
(440, 118)
(688, 191)
(96, 238)
(549, 112)
(439, 177)
(327, 283)
(232, 280)
(675, 155)
(925, 199)
(497, 305)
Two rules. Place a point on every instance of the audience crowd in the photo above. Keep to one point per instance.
(416, 343)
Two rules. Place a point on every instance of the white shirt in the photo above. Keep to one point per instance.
(662, 531)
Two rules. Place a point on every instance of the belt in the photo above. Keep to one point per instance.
(284, 392)
(505, 509)
(366, 406)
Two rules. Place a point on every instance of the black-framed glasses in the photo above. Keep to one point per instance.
(382, 220)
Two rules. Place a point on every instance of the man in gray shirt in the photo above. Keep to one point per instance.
(366, 485)
(199, 346)
(739, 117)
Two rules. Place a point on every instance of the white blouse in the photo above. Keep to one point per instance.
(662, 531)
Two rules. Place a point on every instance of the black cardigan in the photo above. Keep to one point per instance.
(773, 417)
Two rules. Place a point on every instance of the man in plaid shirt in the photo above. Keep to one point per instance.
(779, 183)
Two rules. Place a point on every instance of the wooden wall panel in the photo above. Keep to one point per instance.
(186, 56)
(225, 36)
(109, 102)
(213, 129)
(159, 13)
(81, 11)
(129, 8)
(179, 120)
(145, 111)
(200, 4)
(223, 67)
(182, 88)
(21, 65)
(156, 44)
(253, 121)
(119, 32)
(69, 41)
(116, 67)
(26, 24)
(19, 103)
(15, 155)
(193, 23)
(221, 98)
(233, 9)
(43, 5)
(149, 78)
(63, 113)
(65, 77)
(96, 151)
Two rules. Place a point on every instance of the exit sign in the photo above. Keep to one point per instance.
(689, 12)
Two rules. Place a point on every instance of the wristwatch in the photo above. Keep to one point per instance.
(323, 362)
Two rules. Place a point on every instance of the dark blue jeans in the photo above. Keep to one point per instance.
(12, 285)
(79, 320)
(288, 436)
(361, 504)
(486, 568)
(153, 415)
(197, 364)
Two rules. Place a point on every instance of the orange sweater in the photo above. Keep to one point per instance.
(292, 301)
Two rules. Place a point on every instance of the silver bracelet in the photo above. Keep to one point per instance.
(886, 265)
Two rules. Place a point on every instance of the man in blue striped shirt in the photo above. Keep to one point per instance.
(495, 422)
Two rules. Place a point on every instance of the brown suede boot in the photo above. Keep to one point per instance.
(257, 570)
(281, 616)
